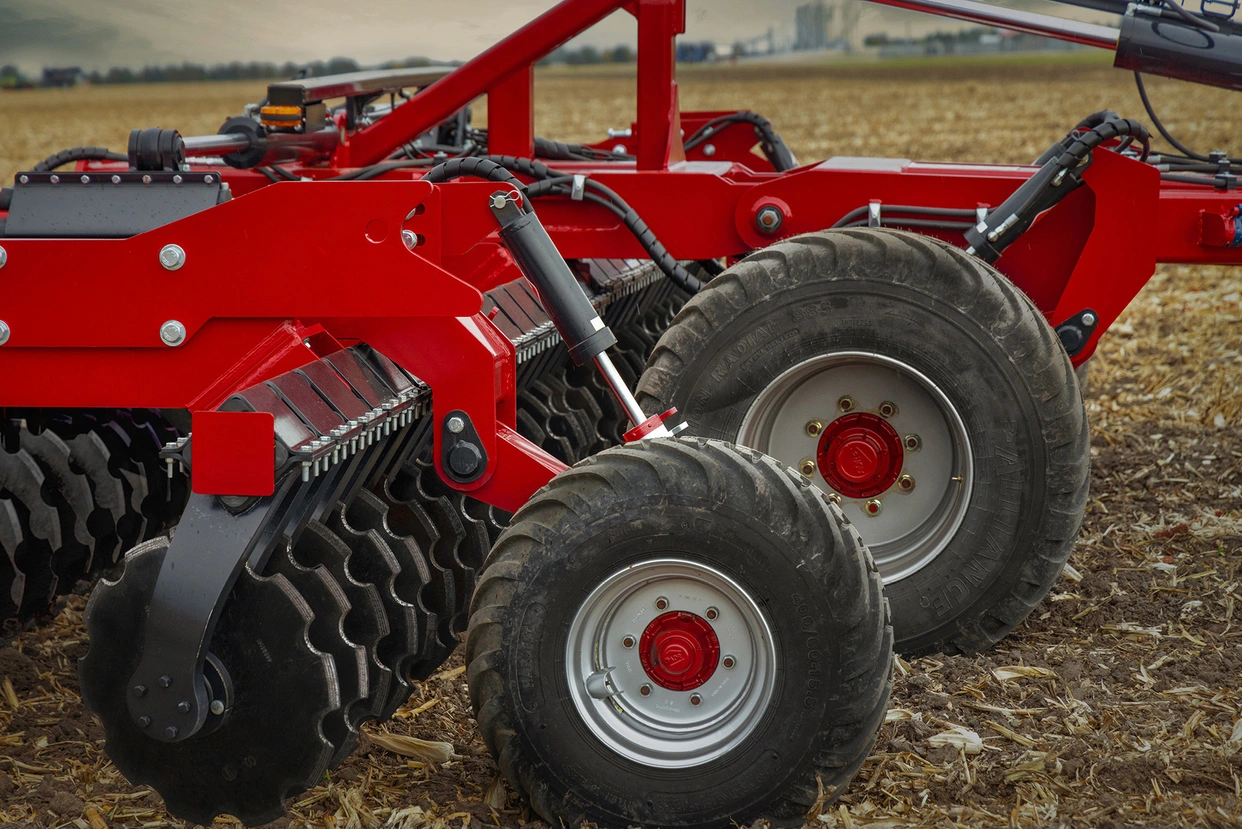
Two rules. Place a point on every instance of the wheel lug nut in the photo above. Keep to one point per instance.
(833, 498)
(873, 507)
(171, 732)
(661, 603)
(645, 690)
(166, 681)
(906, 483)
(807, 467)
(140, 690)
(183, 707)
(144, 721)
(846, 403)
(888, 409)
(695, 699)
(628, 642)
(728, 662)
(814, 428)
(711, 613)
(913, 443)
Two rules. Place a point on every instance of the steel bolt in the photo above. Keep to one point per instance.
(4, 257)
(456, 425)
(888, 409)
(913, 443)
(695, 699)
(208, 180)
(166, 681)
(85, 179)
(628, 642)
(645, 690)
(709, 150)
(769, 219)
(177, 179)
(873, 507)
(116, 179)
(807, 467)
(846, 403)
(661, 603)
(217, 707)
(906, 483)
(172, 333)
(4, 332)
(146, 179)
(172, 257)
(144, 721)
(140, 691)
(24, 179)
(728, 662)
(183, 707)
(1088, 319)
(171, 732)
(55, 179)
(409, 238)
(814, 428)
(833, 498)
(711, 613)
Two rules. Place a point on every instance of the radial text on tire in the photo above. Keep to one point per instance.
(923, 389)
(679, 633)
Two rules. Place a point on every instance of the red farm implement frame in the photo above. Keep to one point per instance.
(325, 320)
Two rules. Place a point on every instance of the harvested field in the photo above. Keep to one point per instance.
(1116, 704)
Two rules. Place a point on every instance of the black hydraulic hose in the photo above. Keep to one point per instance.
(77, 154)
(483, 168)
(1186, 179)
(898, 221)
(851, 219)
(1164, 133)
(774, 147)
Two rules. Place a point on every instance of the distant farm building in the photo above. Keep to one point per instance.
(62, 77)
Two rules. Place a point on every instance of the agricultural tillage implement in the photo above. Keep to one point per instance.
(311, 414)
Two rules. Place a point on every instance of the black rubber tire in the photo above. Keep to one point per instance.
(966, 328)
(744, 514)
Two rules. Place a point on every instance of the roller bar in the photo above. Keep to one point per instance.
(1088, 34)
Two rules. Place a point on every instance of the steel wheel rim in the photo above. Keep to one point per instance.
(663, 728)
(912, 528)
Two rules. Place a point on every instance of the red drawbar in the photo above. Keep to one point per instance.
(860, 455)
(679, 651)
(233, 453)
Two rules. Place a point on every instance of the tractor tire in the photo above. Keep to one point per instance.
(679, 633)
(921, 387)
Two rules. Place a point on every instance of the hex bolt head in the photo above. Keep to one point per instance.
(906, 483)
(1088, 319)
(217, 707)
(645, 690)
(711, 613)
(912, 443)
(183, 707)
(769, 219)
(172, 257)
(144, 721)
(455, 425)
(709, 150)
(873, 507)
(4, 332)
(728, 662)
(409, 238)
(627, 642)
(833, 498)
(171, 732)
(140, 691)
(807, 467)
(846, 404)
(116, 179)
(888, 409)
(172, 333)
(815, 428)
(4, 257)
(661, 603)
(166, 681)
(695, 699)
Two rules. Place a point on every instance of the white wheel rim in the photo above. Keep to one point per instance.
(912, 527)
(666, 728)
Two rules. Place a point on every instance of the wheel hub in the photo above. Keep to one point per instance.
(860, 455)
(679, 651)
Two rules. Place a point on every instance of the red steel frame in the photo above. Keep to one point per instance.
(275, 277)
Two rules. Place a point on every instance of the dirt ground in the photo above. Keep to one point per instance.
(1115, 704)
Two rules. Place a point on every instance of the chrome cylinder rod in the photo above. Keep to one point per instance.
(624, 396)
(1088, 34)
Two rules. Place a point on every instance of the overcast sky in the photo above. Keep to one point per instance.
(104, 33)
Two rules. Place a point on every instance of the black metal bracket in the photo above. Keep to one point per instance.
(1076, 331)
(462, 452)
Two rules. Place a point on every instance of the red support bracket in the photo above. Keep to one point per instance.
(511, 115)
(659, 113)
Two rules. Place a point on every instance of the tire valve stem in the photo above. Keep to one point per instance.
(807, 467)
(906, 483)
(873, 507)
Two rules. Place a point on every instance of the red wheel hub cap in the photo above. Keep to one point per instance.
(860, 455)
(679, 651)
